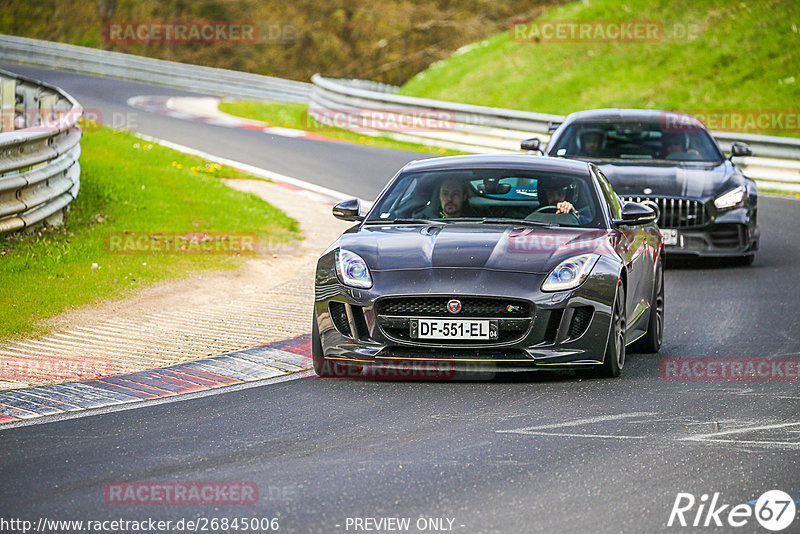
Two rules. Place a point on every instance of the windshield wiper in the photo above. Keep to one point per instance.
(518, 222)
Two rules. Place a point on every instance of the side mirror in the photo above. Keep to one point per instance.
(739, 149)
(534, 143)
(634, 213)
(348, 210)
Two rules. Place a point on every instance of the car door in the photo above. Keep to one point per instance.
(634, 249)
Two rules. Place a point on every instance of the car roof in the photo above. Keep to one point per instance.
(499, 161)
(610, 114)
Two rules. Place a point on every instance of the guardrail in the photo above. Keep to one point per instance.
(39, 150)
(207, 80)
(470, 128)
(776, 164)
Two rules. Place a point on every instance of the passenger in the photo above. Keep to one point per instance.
(591, 140)
(452, 198)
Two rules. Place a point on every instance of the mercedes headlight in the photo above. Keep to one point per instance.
(570, 273)
(352, 270)
(731, 199)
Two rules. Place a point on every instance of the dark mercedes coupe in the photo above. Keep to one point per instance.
(490, 264)
(669, 161)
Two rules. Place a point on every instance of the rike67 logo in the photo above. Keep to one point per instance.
(774, 510)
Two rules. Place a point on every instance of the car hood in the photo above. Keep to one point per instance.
(694, 181)
(453, 245)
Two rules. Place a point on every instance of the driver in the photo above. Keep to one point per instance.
(552, 194)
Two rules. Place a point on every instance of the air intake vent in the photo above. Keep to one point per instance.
(339, 317)
(552, 325)
(727, 235)
(580, 321)
(361, 324)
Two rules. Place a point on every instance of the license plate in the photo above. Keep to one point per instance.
(670, 236)
(453, 329)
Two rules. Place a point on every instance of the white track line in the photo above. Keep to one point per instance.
(257, 171)
(576, 422)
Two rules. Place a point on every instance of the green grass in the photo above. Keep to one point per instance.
(127, 185)
(288, 115)
(740, 56)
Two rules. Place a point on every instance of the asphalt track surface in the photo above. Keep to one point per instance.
(541, 452)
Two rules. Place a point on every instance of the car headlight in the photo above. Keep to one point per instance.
(570, 273)
(352, 270)
(731, 199)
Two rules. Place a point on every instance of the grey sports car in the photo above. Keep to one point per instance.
(669, 161)
(490, 263)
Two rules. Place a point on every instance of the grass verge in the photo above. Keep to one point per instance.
(128, 188)
(289, 115)
(722, 60)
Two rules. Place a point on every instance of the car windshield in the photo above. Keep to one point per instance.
(490, 196)
(635, 140)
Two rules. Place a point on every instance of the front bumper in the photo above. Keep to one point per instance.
(564, 330)
(714, 240)
(699, 229)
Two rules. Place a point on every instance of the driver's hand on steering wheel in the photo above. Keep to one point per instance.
(565, 207)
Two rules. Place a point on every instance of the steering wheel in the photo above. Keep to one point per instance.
(553, 209)
(546, 209)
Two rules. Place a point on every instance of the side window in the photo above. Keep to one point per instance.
(610, 197)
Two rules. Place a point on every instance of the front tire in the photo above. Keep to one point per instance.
(614, 359)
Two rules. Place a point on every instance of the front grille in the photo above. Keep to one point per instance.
(437, 307)
(339, 318)
(513, 317)
(580, 321)
(676, 212)
(727, 235)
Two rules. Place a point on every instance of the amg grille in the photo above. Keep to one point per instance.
(437, 307)
(676, 212)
